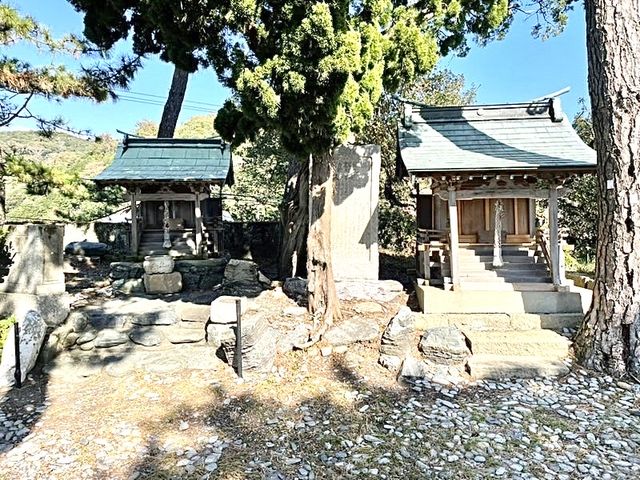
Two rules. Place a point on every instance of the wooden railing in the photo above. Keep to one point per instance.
(427, 242)
(543, 241)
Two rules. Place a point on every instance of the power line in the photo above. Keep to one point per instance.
(144, 101)
(164, 98)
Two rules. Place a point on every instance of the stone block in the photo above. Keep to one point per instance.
(158, 264)
(295, 287)
(444, 345)
(87, 249)
(32, 329)
(223, 309)
(124, 270)
(128, 286)
(192, 312)
(163, 282)
(53, 308)
(241, 271)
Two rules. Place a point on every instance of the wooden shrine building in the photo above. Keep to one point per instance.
(479, 172)
(174, 186)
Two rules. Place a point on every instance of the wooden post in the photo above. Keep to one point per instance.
(497, 233)
(166, 227)
(198, 223)
(554, 244)
(532, 217)
(134, 224)
(453, 238)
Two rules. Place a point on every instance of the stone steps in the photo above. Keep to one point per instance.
(500, 321)
(542, 344)
(512, 366)
(484, 286)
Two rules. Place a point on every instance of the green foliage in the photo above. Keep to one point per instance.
(579, 209)
(48, 177)
(5, 325)
(397, 211)
(260, 178)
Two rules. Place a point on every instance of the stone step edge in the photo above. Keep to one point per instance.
(495, 367)
(541, 343)
(500, 321)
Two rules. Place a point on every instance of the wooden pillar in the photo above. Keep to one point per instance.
(497, 233)
(198, 223)
(532, 217)
(453, 239)
(134, 224)
(554, 244)
(166, 227)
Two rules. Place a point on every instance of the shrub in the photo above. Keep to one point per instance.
(5, 324)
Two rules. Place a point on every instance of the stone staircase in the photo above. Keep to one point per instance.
(524, 269)
(511, 316)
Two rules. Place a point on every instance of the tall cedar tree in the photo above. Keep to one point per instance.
(21, 82)
(609, 339)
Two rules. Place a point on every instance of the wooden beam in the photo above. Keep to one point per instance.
(515, 217)
(198, 223)
(532, 216)
(554, 244)
(134, 225)
(146, 197)
(497, 193)
(453, 238)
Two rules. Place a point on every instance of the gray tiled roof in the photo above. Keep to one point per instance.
(511, 137)
(168, 159)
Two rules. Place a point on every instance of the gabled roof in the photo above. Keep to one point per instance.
(169, 160)
(508, 137)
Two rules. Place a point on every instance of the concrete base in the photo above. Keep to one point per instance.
(539, 343)
(505, 366)
(499, 321)
(435, 300)
(53, 309)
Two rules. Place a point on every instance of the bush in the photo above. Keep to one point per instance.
(396, 228)
(5, 324)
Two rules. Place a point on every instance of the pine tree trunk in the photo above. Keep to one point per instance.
(323, 299)
(173, 104)
(609, 337)
(294, 217)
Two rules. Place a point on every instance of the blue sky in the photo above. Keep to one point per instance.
(517, 68)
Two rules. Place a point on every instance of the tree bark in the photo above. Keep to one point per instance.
(294, 217)
(323, 299)
(609, 338)
(173, 104)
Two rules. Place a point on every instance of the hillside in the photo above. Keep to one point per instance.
(69, 157)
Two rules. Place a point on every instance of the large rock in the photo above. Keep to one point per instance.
(158, 264)
(218, 333)
(241, 278)
(124, 270)
(163, 283)
(259, 344)
(31, 329)
(110, 338)
(144, 337)
(295, 287)
(444, 345)
(351, 331)
(398, 340)
(88, 249)
(53, 308)
(223, 309)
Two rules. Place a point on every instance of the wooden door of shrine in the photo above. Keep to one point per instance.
(476, 220)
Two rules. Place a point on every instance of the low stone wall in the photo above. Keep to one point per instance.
(582, 281)
(196, 274)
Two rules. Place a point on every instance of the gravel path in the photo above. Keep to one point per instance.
(319, 418)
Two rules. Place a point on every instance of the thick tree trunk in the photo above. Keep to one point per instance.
(609, 337)
(323, 300)
(294, 216)
(173, 104)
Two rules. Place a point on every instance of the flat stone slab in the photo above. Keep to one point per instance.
(145, 338)
(191, 312)
(110, 338)
(352, 331)
(177, 334)
(364, 308)
(537, 343)
(511, 366)
(86, 337)
(155, 317)
(382, 291)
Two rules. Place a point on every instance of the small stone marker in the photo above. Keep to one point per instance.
(158, 264)
(32, 330)
(223, 309)
(398, 340)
